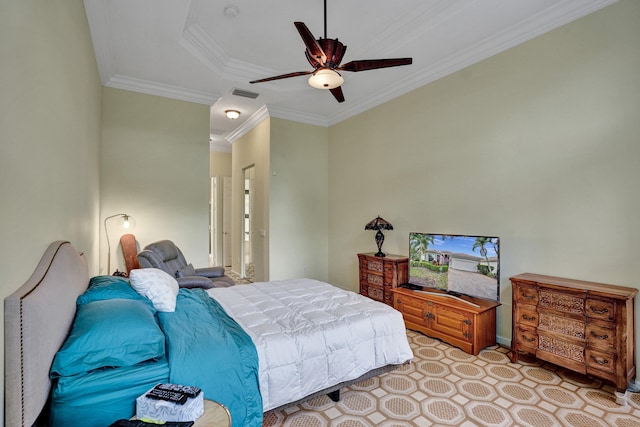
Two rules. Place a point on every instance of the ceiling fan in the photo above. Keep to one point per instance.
(325, 56)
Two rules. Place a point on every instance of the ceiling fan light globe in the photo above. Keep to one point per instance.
(325, 78)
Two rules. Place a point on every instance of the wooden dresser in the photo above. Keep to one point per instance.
(378, 275)
(583, 326)
(467, 323)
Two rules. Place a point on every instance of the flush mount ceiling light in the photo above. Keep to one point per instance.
(232, 114)
(325, 78)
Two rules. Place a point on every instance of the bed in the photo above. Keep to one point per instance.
(40, 315)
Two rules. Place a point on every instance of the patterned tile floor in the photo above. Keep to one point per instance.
(239, 280)
(446, 387)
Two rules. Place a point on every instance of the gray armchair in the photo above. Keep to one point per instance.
(166, 256)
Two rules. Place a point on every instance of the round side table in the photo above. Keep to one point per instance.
(215, 415)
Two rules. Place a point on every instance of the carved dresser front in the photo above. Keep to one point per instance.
(583, 326)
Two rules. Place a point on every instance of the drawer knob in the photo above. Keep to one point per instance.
(467, 335)
(529, 318)
(600, 361)
(600, 337)
(428, 315)
(529, 297)
(595, 310)
(466, 322)
(527, 339)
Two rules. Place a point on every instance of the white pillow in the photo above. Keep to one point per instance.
(158, 286)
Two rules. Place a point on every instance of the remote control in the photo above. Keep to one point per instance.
(190, 391)
(169, 396)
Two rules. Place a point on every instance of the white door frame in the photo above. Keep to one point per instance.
(214, 253)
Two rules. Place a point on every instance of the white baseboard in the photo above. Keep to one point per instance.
(504, 342)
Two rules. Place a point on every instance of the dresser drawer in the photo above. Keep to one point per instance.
(527, 339)
(561, 346)
(374, 280)
(598, 309)
(601, 361)
(561, 325)
(565, 302)
(601, 336)
(526, 294)
(526, 316)
(375, 265)
(375, 293)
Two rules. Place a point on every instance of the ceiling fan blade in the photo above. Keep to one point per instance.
(311, 43)
(337, 93)
(283, 76)
(372, 64)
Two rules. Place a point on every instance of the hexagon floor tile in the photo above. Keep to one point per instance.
(444, 386)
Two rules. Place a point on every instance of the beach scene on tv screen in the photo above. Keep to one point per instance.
(463, 264)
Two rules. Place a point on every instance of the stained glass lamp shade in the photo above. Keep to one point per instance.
(379, 224)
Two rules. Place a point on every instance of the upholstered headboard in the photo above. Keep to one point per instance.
(37, 319)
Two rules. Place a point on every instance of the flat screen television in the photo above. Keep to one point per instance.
(458, 265)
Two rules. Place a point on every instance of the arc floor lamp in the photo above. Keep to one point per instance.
(125, 224)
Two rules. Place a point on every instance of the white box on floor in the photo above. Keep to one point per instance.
(162, 410)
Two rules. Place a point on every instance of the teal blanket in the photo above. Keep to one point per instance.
(208, 349)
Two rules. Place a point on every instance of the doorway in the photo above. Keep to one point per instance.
(226, 221)
(247, 261)
(214, 253)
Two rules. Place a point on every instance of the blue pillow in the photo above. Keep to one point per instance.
(109, 333)
(109, 287)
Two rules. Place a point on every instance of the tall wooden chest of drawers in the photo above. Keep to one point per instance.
(378, 275)
(583, 326)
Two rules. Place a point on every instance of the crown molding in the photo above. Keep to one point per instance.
(564, 13)
(199, 44)
(100, 28)
(161, 89)
(253, 121)
(298, 116)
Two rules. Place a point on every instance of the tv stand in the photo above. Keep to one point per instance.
(469, 323)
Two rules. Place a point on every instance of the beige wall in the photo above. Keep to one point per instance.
(155, 167)
(252, 149)
(538, 145)
(220, 164)
(291, 194)
(298, 200)
(49, 137)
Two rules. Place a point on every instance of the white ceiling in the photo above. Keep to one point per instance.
(192, 50)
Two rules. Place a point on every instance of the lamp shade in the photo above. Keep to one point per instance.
(378, 224)
(325, 78)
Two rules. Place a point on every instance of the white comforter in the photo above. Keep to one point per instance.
(311, 335)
